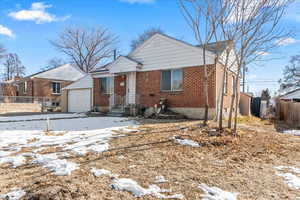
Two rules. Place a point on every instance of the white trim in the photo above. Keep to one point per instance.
(184, 44)
(60, 89)
(122, 65)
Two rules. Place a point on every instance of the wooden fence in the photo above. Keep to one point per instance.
(289, 112)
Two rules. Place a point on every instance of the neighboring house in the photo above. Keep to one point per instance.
(163, 68)
(291, 96)
(7, 89)
(47, 84)
(245, 104)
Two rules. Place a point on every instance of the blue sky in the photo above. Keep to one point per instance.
(26, 27)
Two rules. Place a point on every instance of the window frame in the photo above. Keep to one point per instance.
(56, 83)
(171, 80)
(108, 86)
(25, 87)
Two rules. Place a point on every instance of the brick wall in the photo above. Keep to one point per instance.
(100, 99)
(43, 87)
(38, 87)
(192, 95)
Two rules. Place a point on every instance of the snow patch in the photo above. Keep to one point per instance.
(16, 161)
(291, 168)
(52, 163)
(80, 135)
(40, 117)
(160, 179)
(290, 179)
(100, 172)
(292, 132)
(129, 185)
(215, 193)
(5, 153)
(186, 142)
(16, 194)
(99, 148)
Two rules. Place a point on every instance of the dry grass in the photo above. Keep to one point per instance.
(241, 164)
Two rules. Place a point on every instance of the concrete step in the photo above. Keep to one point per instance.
(114, 114)
(117, 110)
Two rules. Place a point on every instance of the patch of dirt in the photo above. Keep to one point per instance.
(242, 164)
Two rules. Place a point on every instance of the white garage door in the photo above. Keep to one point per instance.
(79, 100)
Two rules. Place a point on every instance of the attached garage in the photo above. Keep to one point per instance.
(78, 96)
(79, 100)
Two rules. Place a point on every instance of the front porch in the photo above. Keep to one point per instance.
(116, 86)
(116, 93)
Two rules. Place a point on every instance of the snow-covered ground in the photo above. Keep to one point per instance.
(290, 175)
(15, 194)
(215, 193)
(186, 142)
(292, 132)
(72, 136)
(77, 124)
(40, 117)
(129, 185)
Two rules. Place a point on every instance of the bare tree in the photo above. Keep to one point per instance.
(53, 63)
(144, 36)
(13, 67)
(87, 48)
(2, 52)
(251, 26)
(255, 27)
(291, 74)
(203, 18)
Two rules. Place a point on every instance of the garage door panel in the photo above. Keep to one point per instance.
(79, 100)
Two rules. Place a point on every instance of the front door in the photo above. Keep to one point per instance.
(131, 88)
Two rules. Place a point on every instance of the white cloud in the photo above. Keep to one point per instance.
(6, 31)
(286, 41)
(138, 1)
(36, 13)
(249, 8)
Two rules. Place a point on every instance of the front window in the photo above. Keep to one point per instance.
(172, 80)
(55, 104)
(55, 88)
(25, 87)
(106, 85)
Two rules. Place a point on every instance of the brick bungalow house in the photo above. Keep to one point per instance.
(45, 84)
(162, 67)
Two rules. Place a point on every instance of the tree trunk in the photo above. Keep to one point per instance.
(222, 101)
(236, 104)
(205, 88)
(232, 105)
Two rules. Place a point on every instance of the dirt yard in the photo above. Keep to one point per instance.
(244, 164)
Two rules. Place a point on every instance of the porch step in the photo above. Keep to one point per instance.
(116, 112)
(111, 114)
